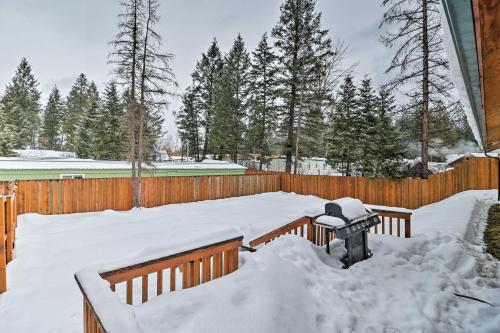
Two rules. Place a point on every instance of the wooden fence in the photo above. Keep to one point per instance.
(196, 266)
(85, 195)
(8, 222)
(470, 174)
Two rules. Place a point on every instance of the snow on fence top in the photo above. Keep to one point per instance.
(16, 163)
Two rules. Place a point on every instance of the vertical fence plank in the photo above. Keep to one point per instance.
(130, 292)
(172, 278)
(145, 288)
(159, 283)
(9, 222)
(206, 269)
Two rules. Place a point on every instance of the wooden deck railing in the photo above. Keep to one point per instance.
(194, 266)
(392, 224)
(8, 223)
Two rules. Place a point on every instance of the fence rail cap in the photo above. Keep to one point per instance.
(155, 255)
(390, 209)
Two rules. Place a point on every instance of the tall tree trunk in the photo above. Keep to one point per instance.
(293, 97)
(132, 104)
(291, 121)
(142, 111)
(263, 135)
(263, 124)
(297, 134)
(425, 93)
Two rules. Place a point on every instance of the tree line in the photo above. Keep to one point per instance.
(283, 98)
(290, 96)
(85, 122)
(242, 102)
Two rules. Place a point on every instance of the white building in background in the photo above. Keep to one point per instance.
(306, 166)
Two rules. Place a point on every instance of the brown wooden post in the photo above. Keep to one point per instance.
(10, 226)
(3, 257)
(311, 231)
(407, 228)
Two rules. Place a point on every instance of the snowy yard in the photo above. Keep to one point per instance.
(287, 286)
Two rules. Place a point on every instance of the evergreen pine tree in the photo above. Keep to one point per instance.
(77, 104)
(343, 137)
(51, 137)
(6, 136)
(21, 107)
(205, 78)
(84, 147)
(365, 125)
(232, 99)
(388, 148)
(300, 42)
(263, 112)
(188, 121)
(108, 139)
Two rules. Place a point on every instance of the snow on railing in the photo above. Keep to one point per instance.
(104, 312)
(8, 223)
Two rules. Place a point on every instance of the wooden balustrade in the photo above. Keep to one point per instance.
(298, 227)
(194, 267)
(393, 222)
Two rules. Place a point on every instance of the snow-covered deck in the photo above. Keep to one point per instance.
(286, 286)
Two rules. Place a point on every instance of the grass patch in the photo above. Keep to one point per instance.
(492, 232)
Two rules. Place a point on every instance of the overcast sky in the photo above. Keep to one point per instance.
(62, 38)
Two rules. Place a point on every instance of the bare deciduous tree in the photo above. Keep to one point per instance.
(419, 57)
(144, 71)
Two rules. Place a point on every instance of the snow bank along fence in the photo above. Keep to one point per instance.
(195, 266)
(8, 222)
(84, 195)
(395, 222)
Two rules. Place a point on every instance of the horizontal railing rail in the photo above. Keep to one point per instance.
(194, 267)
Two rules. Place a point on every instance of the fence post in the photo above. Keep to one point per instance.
(407, 228)
(311, 231)
(9, 221)
(3, 258)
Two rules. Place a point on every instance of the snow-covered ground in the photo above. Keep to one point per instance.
(286, 286)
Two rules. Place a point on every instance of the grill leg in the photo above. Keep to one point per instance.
(327, 241)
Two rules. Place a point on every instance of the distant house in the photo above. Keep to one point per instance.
(414, 168)
(306, 166)
(18, 168)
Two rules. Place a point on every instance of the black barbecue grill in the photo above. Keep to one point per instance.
(357, 220)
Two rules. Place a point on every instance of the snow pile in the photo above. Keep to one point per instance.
(330, 221)
(351, 208)
(292, 286)
(44, 154)
(42, 293)
(288, 285)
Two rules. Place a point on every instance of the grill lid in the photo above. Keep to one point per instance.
(348, 209)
